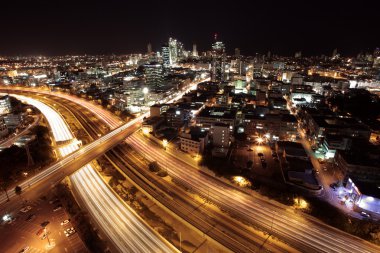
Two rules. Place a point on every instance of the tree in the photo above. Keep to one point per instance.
(154, 167)
(18, 190)
(4, 185)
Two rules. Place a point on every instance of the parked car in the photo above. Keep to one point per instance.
(59, 207)
(30, 217)
(11, 220)
(40, 231)
(26, 209)
(365, 215)
(25, 249)
(65, 222)
(52, 201)
(45, 223)
(70, 231)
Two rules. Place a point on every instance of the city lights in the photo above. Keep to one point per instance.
(241, 181)
(259, 140)
(300, 203)
(255, 150)
(145, 130)
(165, 143)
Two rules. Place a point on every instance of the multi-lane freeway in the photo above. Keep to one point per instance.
(123, 227)
(120, 223)
(299, 230)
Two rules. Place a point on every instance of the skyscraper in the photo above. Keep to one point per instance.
(195, 52)
(218, 61)
(149, 48)
(153, 74)
(166, 55)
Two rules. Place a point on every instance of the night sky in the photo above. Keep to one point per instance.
(121, 26)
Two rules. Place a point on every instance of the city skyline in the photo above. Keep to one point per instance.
(40, 28)
(193, 126)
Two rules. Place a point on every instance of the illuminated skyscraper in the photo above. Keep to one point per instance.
(218, 61)
(149, 48)
(176, 51)
(195, 52)
(166, 56)
(173, 50)
(153, 74)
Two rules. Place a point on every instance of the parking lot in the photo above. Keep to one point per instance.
(26, 231)
(264, 160)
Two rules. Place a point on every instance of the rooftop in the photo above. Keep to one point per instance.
(218, 112)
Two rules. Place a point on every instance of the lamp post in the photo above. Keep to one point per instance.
(47, 237)
(165, 143)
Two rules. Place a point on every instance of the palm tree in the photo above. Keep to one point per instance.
(4, 186)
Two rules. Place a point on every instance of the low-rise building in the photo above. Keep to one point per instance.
(151, 124)
(333, 143)
(193, 141)
(221, 135)
(321, 126)
(175, 117)
(13, 120)
(278, 126)
(209, 116)
(157, 110)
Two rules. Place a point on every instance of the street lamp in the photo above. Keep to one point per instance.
(241, 181)
(259, 140)
(145, 130)
(165, 143)
(300, 203)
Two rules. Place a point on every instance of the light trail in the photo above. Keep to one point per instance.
(123, 226)
(301, 231)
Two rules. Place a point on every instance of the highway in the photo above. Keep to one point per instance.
(271, 216)
(122, 225)
(303, 232)
(77, 159)
(207, 221)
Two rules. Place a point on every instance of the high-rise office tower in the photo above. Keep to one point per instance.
(166, 55)
(153, 74)
(173, 50)
(218, 61)
(149, 48)
(195, 52)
